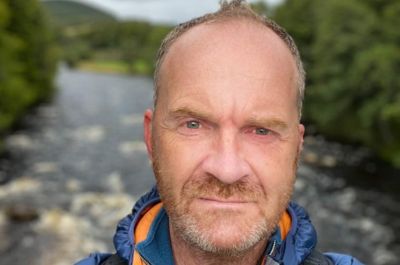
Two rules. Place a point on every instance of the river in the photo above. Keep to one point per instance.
(76, 165)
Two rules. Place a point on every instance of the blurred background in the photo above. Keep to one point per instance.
(75, 77)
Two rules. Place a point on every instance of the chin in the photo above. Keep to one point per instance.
(228, 234)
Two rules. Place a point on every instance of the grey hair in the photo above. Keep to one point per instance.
(230, 10)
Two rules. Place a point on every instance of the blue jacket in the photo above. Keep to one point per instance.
(155, 248)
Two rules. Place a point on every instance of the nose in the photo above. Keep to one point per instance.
(225, 160)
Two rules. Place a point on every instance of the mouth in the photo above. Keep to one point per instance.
(223, 203)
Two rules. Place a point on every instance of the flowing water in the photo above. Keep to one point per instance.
(76, 165)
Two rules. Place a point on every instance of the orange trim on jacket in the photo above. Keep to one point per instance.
(285, 224)
(142, 229)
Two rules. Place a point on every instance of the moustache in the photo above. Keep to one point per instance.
(211, 186)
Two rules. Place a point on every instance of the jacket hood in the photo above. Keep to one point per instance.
(302, 237)
(123, 239)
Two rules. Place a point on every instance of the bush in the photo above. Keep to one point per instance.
(351, 50)
(27, 59)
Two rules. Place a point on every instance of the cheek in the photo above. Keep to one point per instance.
(178, 158)
(273, 166)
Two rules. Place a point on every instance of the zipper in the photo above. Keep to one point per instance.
(143, 259)
(271, 253)
(273, 248)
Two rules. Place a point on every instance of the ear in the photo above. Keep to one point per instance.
(147, 124)
(301, 129)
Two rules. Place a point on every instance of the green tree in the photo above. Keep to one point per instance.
(261, 8)
(28, 22)
(299, 19)
(27, 59)
(351, 50)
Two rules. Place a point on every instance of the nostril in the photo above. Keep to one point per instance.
(226, 168)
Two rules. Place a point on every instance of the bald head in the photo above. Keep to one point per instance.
(229, 56)
(234, 13)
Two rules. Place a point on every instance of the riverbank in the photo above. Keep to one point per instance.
(138, 67)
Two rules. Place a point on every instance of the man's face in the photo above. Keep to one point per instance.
(224, 138)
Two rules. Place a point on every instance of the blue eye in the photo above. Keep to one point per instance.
(262, 131)
(193, 124)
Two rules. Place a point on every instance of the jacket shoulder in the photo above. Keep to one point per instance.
(94, 259)
(342, 259)
(302, 240)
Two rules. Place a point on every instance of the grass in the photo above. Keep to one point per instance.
(115, 67)
(103, 66)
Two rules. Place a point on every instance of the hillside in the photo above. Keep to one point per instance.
(69, 13)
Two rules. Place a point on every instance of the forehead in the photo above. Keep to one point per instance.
(243, 37)
(235, 53)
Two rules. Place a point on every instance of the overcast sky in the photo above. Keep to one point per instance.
(169, 11)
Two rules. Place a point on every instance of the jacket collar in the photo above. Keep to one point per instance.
(124, 242)
(300, 240)
(155, 248)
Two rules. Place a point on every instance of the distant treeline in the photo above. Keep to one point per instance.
(351, 50)
(131, 46)
(92, 39)
(27, 59)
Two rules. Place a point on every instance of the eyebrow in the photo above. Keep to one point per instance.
(190, 112)
(269, 123)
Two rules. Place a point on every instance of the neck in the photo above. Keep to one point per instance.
(187, 254)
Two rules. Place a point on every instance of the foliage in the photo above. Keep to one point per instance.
(132, 43)
(27, 59)
(99, 42)
(351, 50)
(260, 7)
